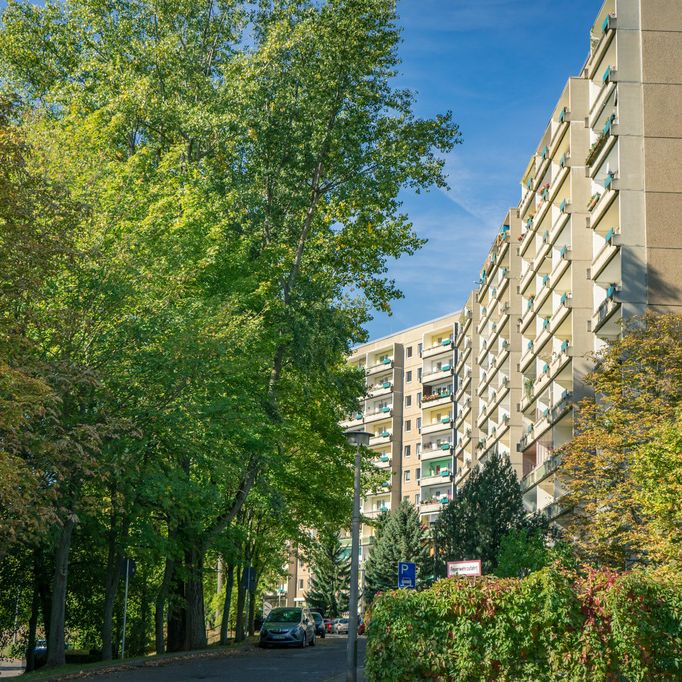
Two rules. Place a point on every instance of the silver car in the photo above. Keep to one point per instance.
(341, 626)
(288, 626)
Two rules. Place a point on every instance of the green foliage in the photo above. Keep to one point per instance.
(619, 514)
(401, 537)
(330, 574)
(196, 215)
(521, 552)
(484, 511)
(554, 624)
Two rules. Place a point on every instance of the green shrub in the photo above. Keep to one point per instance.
(553, 625)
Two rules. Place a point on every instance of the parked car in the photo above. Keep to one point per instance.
(288, 626)
(328, 625)
(320, 630)
(341, 626)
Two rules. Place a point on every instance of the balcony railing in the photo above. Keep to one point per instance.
(437, 348)
(387, 363)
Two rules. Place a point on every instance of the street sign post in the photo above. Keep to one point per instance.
(407, 574)
(471, 568)
(128, 570)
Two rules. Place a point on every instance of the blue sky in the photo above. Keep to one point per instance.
(500, 66)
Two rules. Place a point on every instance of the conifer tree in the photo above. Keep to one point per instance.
(487, 508)
(330, 576)
(401, 538)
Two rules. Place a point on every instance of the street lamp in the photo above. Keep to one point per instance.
(359, 439)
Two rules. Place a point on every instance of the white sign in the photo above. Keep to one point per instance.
(464, 567)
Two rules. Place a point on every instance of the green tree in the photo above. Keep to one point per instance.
(241, 165)
(521, 552)
(402, 538)
(625, 446)
(657, 474)
(330, 575)
(487, 508)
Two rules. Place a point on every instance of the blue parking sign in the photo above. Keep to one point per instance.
(407, 574)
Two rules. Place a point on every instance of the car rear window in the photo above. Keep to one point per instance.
(284, 616)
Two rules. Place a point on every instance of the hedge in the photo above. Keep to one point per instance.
(556, 624)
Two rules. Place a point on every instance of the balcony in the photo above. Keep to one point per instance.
(383, 461)
(606, 254)
(444, 372)
(436, 400)
(540, 472)
(444, 425)
(601, 146)
(430, 507)
(445, 476)
(604, 201)
(382, 438)
(606, 309)
(464, 382)
(378, 414)
(352, 421)
(380, 367)
(373, 514)
(608, 27)
(436, 451)
(437, 349)
(463, 355)
(379, 389)
(561, 407)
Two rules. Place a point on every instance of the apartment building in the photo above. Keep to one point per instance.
(409, 409)
(594, 239)
(499, 386)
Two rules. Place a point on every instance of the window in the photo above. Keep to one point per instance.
(419, 373)
(419, 397)
(300, 584)
(417, 498)
(409, 351)
(408, 400)
(408, 425)
(406, 451)
(408, 376)
(419, 423)
(417, 473)
(418, 449)
(419, 347)
(407, 475)
(406, 498)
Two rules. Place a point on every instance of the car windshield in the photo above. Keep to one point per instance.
(284, 616)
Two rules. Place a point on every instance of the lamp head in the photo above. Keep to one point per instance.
(358, 437)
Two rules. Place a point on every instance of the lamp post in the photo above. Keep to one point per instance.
(359, 439)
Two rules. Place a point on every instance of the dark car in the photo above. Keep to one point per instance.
(288, 626)
(320, 628)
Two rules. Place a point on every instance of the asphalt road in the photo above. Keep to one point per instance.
(326, 661)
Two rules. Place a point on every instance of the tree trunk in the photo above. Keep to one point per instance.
(224, 624)
(195, 633)
(177, 614)
(113, 577)
(160, 604)
(33, 622)
(55, 641)
(241, 598)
